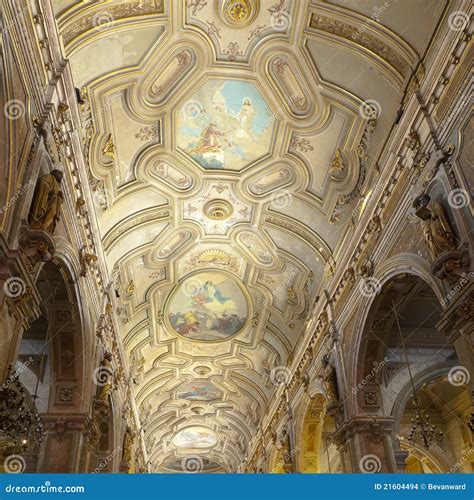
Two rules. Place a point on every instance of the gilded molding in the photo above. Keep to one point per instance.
(151, 214)
(97, 18)
(362, 38)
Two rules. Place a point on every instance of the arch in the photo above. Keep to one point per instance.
(421, 378)
(68, 343)
(276, 462)
(400, 361)
(62, 309)
(316, 451)
(50, 357)
(451, 448)
(311, 434)
(400, 264)
(66, 257)
(419, 462)
(107, 453)
(396, 266)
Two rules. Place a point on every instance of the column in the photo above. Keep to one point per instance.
(68, 442)
(367, 445)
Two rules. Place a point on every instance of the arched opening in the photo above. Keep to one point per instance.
(105, 454)
(33, 363)
(405, 372)
(48, 370)
(277, 462)
(318, 452)
(448, 407)
(283, 454)
(418, 462)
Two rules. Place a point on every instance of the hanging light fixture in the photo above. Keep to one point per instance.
(20, 422)
(422, 430)
(19, 419)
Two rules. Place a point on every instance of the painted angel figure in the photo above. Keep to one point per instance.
(214, 293)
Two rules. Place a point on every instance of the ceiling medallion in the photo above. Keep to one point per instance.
(218, 209)
(202, 370)
(239, 12)
(198, 410)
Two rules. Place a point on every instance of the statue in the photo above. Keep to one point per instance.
(286, 454)
(252, 415)
(335, 407)
(436, 228)
(449, 261)
(46, 206)
(330, 379)
(105, 377)
(127, 448)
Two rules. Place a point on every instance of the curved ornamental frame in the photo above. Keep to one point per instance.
(208, 306)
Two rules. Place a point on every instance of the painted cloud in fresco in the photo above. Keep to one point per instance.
(199, 390)
(225, 125)
(195, 437)
(207, 306)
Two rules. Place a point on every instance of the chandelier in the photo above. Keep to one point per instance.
(19, 419)
(422, 430)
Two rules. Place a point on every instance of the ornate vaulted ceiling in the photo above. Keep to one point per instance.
(228, 146)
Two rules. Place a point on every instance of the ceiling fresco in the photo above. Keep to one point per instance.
(227, 149)
(207, 306)
(225, 125)
(199, 390)
(195, 437)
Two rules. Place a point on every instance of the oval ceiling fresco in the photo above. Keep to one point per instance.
(195, 437)
(208, 306)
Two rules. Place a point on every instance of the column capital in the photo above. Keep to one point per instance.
(69, 439)
(61, 424)
(400, 457)
(375, 428)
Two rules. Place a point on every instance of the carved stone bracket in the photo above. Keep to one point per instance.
(367, 268)
(36, 245)
(374, 429)
(452, 265)
(101, 409)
